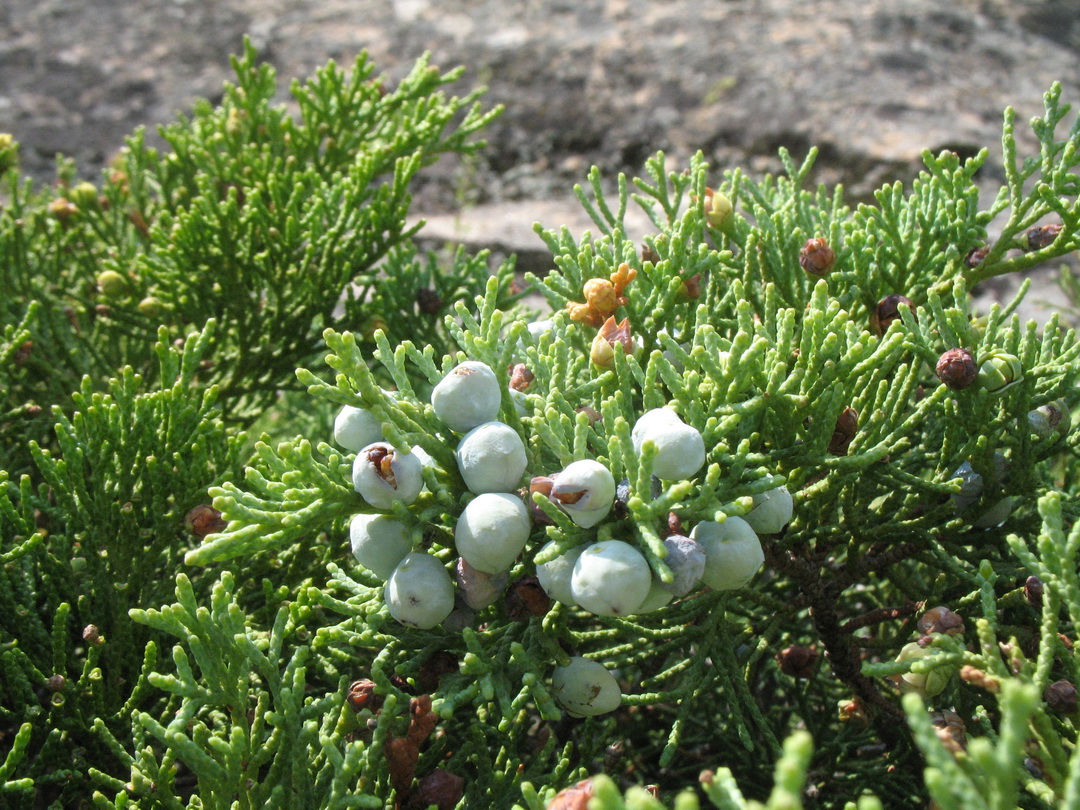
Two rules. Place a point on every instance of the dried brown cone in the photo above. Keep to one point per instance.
(816, 257)
(888, 311)
(798, 661)
(847, 425)
(941, 620)
(976, 255)
(1033, 591)
(429, 301)
(979, 678)
(1061, 697)
(1040, 236)
(22, 354)
(951, 730)
(440, 788)
(543, 485)
(525, 598)
(956, 369)
(854, 711)
(361, 695)
(573, 798)
(593, 414)
(203, 520)
(521, 377)
(431, 671)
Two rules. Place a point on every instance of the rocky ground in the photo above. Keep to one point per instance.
(604, 82)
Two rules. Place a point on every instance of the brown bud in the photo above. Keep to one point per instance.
(1033, 591)
(525, 599)
(976, 677)
(1040, 236)
(520, 377)
(429, 301)
(674, 524)
(941, 620)
(203, 520)
(798, 661)
(592, 413)
(431, 671)
(816, 257)
(362, 696)
(1061, 697)
(691, 287)
(63, 209)
(139, 221)
(611, 336)
(950, 730)
(956, 369)
(976, 255)
(649, 254)
(400, 683)
(543, 485)
(601, 296)
(573, 798)
(853, 711)
(888, 311)
(847, 424)
(91, 635)
(440, 788)
(22, 354)
(55, 683)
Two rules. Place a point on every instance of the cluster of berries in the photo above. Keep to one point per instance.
(607, 578)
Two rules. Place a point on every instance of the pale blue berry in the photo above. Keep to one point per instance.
(733, 553)
(611, 578)
(491, 458)
(468, 396)
(585, 688)
(585, 490)
(771, 511)
(356, 428)
(686, 559)
(379, 543)
(492, 531)
(419, 592)
(680, 448)
(382, 475)
(555, 575)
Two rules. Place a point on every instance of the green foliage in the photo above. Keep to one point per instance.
(101, 533)
(276, 227)
(291, 684)
(763, 360)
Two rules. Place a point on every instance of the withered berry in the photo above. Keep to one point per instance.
(362, 695)
(1033, 591)
(816, 257)
(941, 620)
(1039, 237)
(526, 598)
(956, 369)
(203, 520)
(1061, 697)
(888, 311)
(798, 661)
(847, 425)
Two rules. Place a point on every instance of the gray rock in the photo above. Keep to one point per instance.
(605, 82)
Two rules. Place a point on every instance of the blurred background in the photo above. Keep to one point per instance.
(591, 82)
